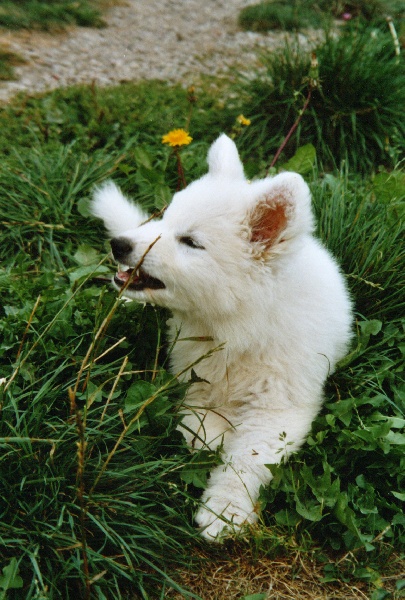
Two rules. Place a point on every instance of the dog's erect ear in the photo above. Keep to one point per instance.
(268, 221)
(223, 159)
(282, 210)
(117, 212)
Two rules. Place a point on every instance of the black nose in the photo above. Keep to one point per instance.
(121, 247)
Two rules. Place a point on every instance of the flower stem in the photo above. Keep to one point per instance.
(314, 83)
(181, 180)
(293, 128)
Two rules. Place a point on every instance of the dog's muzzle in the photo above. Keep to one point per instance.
(136, 279)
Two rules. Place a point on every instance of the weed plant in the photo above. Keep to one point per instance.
(97, 488)
(299, 14)
(356, 115)
(282, 14)
(361, 13)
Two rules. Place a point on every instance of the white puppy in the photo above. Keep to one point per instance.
(238, 266)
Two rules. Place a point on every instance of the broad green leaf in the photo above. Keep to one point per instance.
(197, 470)
(343, 410)
(125, 168)
(82, 273)
(138, 393)
(287, 517)
(399, 495)
(92, 394)
(395, 422)
(389, 187)
(310, 510)
(372, 327)
(303, 160)
(10, 579)
(398, 439)
(142, 157)
(198, 478)
(163, 195)
(399, 518)
(345, 514)
(83, 207)
(367, 329)
(380, 594)
(86, 255)
(331, 573)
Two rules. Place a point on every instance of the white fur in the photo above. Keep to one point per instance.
(265, 289)
(116, 211)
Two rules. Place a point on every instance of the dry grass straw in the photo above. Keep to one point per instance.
(238, 572)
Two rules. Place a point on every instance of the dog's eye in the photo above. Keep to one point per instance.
(189, 241)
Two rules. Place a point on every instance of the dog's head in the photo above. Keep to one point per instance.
(217, 244)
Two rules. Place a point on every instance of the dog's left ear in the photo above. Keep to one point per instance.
(223, 159)
(281, 211)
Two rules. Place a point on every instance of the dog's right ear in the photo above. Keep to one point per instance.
(223, 159)
(117, 212)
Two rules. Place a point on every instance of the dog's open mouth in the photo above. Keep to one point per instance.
(137, 280)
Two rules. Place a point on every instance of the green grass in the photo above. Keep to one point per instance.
(8, 60)
(97, 488)
(49, 14)
(109, 118)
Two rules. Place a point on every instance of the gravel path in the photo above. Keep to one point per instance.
(172, 40)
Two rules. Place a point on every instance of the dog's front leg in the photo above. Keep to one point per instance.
(204, 428)
(231, 498)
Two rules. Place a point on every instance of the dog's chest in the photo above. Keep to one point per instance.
(219, 379)
(195, 357)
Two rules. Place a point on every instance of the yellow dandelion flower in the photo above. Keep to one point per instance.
(177, 137)
(243, 120)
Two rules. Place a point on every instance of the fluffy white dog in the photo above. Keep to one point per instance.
(237, 264)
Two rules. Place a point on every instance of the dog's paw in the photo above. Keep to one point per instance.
(219, 518)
